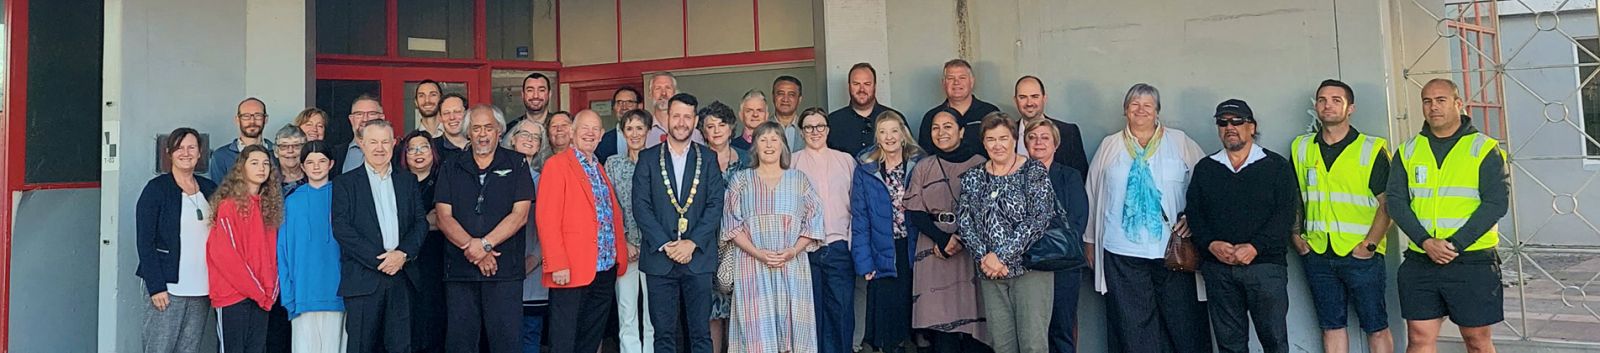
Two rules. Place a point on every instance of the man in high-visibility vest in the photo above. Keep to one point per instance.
(1343, 175)
(1447, 192)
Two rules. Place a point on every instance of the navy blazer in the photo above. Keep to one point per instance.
(158, 224)
(871, 222)
(355, 228)
(608, 145)
(658, 220)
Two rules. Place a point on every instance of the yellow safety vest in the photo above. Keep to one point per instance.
(1339, 204)
(1444, 195)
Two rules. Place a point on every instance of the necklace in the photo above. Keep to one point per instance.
(694, 188)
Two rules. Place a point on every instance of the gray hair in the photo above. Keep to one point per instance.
(370, 123)
(538, 132)
(1141, 90)
(499, 116)
(290, 131)
(668, 75)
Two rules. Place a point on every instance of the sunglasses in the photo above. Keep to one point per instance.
(1234, 122)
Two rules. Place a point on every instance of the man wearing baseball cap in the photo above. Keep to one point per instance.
(1241, 209)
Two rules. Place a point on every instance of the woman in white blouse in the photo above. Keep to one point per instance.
(1136, 193)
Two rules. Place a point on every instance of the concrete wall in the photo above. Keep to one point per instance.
(1270, 53)
(53, 271)
(172, 63)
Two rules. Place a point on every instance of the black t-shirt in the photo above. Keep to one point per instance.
(851, 132)
(480, 199)
(1378, 181)
(971, 121)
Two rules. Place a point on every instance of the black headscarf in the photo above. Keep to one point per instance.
(963, 151)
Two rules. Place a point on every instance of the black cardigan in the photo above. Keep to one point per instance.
(157, 224)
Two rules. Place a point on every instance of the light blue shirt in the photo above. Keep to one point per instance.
(353, 158)
(384, 202)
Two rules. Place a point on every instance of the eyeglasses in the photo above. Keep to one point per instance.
(626, 101)
(814, 128)
(420, 149)
(253, 116)
(1234, 122)
(366, 115)
(290, 146)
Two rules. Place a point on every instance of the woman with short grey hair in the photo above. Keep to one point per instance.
(289, 139)
(1136, 191)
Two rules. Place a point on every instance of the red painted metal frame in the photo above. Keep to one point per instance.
(16, 13)
(1482, 22)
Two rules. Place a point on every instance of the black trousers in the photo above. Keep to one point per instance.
(243, 326)
(1151, 309)
(381, 321)
(1239, 295)
(578, 315)
(680, 309)
(492, 309)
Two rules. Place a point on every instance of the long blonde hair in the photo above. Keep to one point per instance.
(236, 187)
(908, 145)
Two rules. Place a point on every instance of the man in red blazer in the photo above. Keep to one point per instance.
(581, 238)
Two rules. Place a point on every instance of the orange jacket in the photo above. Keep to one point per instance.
(564, 212)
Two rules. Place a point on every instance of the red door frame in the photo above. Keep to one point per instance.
(392, 80)
(11, 140)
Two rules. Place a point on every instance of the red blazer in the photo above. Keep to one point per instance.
(564, 212)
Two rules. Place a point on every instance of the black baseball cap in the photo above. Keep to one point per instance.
(1235, 107)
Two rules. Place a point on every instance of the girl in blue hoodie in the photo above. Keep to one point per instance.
(308, 258)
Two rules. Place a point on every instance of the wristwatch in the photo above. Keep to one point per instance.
(486, 246)
(1372, 247)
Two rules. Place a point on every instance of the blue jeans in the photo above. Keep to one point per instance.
(1338, 282)
(1064, 316)
(833, 284)
(532, 332)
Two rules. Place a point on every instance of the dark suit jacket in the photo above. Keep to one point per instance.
(658, 220)
(608, 144)
(355, 227)
(337, 157)
(1070, 151)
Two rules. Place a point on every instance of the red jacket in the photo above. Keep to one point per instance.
(241, 257)
(568, 229)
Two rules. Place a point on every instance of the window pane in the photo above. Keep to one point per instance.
(1590, 94)
(413, 117)
(335, 97)
(436, 28)
(507, 92)
(351, 27)
(521, 30)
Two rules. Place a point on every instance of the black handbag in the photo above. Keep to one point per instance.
(1060, 249)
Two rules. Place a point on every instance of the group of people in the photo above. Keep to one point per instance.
(703, 228)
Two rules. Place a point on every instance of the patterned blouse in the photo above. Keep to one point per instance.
(620, 169)
(895, 181)
(1003, 215)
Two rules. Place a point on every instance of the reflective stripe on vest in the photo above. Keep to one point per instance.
(1339, 204)
(1444, 195)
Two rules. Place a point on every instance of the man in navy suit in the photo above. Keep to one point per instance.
(677, 200)
(379, 222)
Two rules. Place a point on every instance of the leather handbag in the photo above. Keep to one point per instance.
(1060, 249)
(1181, 255)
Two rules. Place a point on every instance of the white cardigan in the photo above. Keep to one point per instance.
(1113, 152)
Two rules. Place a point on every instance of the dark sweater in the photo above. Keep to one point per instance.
(1255, 206)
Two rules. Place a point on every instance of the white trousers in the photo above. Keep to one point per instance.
(319, 332)
(631, 294)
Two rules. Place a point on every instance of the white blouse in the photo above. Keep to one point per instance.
(1107, 185)
(192, 235)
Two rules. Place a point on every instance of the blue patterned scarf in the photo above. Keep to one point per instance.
(1142, 217)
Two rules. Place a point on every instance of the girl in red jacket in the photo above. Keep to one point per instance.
(241, 250)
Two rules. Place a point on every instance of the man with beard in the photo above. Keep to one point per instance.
(1031, 101)
(663, 86)
(535, 98)
(483, 200)
(1241, 210)
(453, 126)
(850, 129)
(251, 116)
(958, 87)
(677, 201)
(624, 99)
(427, 102)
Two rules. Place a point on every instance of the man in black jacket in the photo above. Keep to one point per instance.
(1241, 210)
(378, 221)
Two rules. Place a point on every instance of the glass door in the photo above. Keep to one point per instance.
(338, 86)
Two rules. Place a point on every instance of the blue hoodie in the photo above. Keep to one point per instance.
(308, 258)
